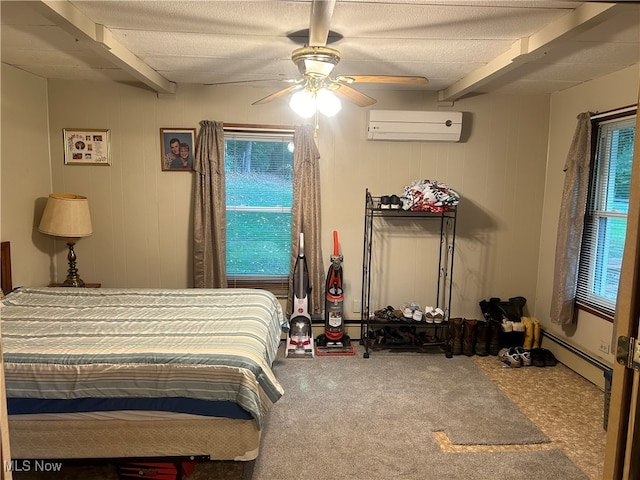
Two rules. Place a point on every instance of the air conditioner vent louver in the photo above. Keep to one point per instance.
(405, 125)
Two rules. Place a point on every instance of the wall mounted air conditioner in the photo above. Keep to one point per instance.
(405, 125)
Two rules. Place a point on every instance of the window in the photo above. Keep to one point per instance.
(606, 215)
(259, 194)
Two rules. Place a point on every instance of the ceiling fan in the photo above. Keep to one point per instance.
(317, 89)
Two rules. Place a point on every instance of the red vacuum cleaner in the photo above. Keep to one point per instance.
(334, 341)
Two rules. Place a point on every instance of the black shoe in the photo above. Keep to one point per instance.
(537, 357)
(550, 359)
(393, 336)
(385, 202)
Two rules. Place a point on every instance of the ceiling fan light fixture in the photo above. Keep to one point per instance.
(315, 61)
(303, 103)
(306, 102)
(327, 102)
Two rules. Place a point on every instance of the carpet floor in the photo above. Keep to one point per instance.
(415, 416)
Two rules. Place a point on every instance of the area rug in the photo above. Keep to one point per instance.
(400, 415)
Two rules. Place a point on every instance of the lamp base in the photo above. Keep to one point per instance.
(73, 282)
(73, 279)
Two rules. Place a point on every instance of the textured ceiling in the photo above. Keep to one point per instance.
(462, 47)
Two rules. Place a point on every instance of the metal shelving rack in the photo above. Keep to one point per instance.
(447, 221)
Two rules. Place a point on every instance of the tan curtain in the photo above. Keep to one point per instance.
(209, 219)
(305, 215)
(571, 222)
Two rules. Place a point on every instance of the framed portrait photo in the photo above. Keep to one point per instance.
(177, 146)
(85, 146)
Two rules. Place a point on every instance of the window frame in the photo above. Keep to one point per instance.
(585, 302)
(278, 285)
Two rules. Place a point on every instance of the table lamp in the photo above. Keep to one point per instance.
(67, 216)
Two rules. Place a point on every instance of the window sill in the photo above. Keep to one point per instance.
(277, 288)
(595, 312)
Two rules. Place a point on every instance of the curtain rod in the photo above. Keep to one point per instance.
(259, 128)
(617, 111)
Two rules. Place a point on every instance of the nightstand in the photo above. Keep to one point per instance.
(86, 285)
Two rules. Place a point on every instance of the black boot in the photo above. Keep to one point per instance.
(495, 328)
(491, 309)
(469, 336)
(482, 338)
(514, 308)
(455, 335)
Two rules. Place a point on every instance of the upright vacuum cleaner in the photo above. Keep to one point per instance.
(300, 337)
(334, 341)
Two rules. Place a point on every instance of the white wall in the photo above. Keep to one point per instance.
(508, 170)
(613, 91)
(25, 174)
(142, 215)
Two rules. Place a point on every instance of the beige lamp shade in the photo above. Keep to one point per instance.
(66, 215)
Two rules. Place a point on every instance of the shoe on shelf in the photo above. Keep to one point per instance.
(510, 357)
(438, 315)
(525, 356)
(380, 315)
(386, 314)
(395, 202)
(418, 314)
(428, 314)
(385, 202)
(407, 311)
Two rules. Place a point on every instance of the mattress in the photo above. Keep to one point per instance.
(83, 350)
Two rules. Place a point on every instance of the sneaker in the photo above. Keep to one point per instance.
(438, 315)
(428, 314)
(385, 202)
(510, 357)
(525, 356)
(407, 311)
(417, 312)
(395, 202)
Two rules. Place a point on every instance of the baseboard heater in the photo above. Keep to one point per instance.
(579, 353)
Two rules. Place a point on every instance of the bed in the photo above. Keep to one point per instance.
(115, 373)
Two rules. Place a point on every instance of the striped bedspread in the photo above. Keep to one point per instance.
(206, 345)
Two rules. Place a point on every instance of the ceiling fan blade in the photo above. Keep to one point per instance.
(352, 95)
(403, 79)
(321, 13)
(277, 94)
(256, 80)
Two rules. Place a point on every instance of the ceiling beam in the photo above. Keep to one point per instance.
(101, 40)
(534, 47)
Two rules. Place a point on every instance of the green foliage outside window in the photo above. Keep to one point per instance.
(606, 216)
(259, 195)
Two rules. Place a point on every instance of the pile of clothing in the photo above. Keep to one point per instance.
(429, 196)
